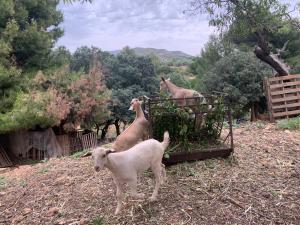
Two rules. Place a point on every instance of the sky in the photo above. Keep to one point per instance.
(114, 24)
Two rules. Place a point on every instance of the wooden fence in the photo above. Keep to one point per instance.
(283, 95)
(77, 142)
(89, 140)
(4, 159)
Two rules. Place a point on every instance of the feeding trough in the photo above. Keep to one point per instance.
(198, 131)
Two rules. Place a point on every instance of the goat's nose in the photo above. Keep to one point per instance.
(97, 168)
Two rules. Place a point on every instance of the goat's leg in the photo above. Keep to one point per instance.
(133, 188)
(120, 196)
(157, 170)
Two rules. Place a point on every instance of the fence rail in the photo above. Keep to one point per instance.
(283, 95)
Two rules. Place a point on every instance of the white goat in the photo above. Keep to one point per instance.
(126, 165)
(136, 132)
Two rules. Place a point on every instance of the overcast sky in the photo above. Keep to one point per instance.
(113, 24)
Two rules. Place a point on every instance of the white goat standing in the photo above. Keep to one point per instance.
(126, 165)
(137, 131)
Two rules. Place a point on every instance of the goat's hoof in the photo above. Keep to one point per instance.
(152, 199)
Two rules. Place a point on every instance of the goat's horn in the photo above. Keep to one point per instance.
(163, 79)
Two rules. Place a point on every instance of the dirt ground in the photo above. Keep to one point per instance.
(259, 184)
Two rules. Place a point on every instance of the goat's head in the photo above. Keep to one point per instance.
(163, 84)
(99, 157)
(135, 103)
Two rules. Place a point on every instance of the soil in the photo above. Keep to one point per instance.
(258, 184)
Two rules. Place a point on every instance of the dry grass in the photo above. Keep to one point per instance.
(260, 184)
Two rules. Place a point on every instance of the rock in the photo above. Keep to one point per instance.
(53, 211)
(26, 211)
(287, 131)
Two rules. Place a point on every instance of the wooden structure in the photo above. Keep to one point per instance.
(77, 141)
(4, 159)
(283, 96)
(155, 107)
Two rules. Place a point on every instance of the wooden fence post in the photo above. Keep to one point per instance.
(266, 85)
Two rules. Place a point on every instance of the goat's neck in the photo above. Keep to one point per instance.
(109, 163)
(172, 87)
(139, 113)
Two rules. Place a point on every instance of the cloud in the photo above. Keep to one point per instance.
(113, 24)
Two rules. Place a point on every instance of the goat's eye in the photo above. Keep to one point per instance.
(103, 156)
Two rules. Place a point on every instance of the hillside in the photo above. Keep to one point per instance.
(163, 54)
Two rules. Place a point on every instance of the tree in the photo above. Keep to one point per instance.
(59, 57)
(29, 30)
(240, 75)
(130, 76)
(260, 19)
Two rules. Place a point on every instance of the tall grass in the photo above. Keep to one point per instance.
(289, 124)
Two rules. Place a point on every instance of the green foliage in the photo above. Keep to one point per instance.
(28, 31)
(59, 57)
(131, 76)
(79, 154)
(267, 24)
(37, 108)
(240, 75)
(10, 84)
(212, 52)
(3, 182)
(180, 123)
(289, 124)
(99, 220)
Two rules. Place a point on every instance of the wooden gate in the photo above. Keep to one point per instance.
(89, 140)
(283, 95)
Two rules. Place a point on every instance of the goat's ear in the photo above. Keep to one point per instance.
(108, 151)
(162, 78)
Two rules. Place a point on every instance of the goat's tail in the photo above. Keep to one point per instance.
(166, 141)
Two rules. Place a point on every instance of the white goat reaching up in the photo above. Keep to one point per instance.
(126, 165)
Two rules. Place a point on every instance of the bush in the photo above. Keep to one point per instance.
(180, 122)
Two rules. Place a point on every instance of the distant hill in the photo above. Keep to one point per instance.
(163, 54)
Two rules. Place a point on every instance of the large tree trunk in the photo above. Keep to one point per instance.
(105, 129)
(117, 125)
(281, 68)
(263, 52)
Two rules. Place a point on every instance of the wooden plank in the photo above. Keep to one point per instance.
(286, 106)
(196, 155)
(285, 91)
(266, 84)
(276, 100)
(288, 113)
(294, 76)
(293, 83)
